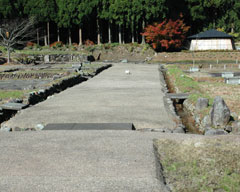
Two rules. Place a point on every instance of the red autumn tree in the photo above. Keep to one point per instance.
(168, 34)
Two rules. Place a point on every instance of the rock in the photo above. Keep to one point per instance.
(124, 61)
(202, 103)
(215, 132)
(234, 116)
(179, 129)
(39, 126)
(236, 127)
(220, 113)
(56, 77)
(228, 128)
(46, 59)
(5, 128)
(206, 121)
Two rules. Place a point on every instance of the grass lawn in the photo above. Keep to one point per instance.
(205, 164)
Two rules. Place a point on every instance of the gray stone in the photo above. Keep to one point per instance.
(215, 132)
(194, 69)
(220, 113)
(56, 77)
(39, 127)
(46, 59)
(228, 128)
(202, 103)
(236, 127)
(234, 116)
(124, 61)
(5, 128)
(206, 121)
(179, 130)
(14, 106)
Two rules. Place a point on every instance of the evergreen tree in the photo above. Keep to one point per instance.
(43, 11)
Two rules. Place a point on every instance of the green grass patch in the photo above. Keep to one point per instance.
(186, 84)
(11, 94)
(209, 164)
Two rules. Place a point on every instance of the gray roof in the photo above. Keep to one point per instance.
(210, 34)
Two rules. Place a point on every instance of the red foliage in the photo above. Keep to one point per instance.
(30, 44)
(168, 34)
(88, 42)
(57, 44)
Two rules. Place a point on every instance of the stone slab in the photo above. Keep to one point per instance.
(13, 106)
(177, 95)
(90, 126)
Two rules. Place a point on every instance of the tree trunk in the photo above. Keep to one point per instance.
(132, 31)
(69, 37)
(232, 28)
(120, 35)
(123, 35)
(143, 37)
(80, 36)
(8, 55)
(48, 33)
(98, 33)
(37, 36)
(58, 34)
(45, 39)
(109, 33)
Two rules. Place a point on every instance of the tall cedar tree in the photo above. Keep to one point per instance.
(168, 34)
(43, 11)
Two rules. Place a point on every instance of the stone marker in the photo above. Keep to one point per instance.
(220, 113)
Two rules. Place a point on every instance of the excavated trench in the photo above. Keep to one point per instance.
(187, 119)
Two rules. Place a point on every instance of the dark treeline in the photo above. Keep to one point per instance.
(107, 21)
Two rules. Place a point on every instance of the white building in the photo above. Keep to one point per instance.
(211, 40)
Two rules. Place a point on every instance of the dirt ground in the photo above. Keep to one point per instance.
(197, 56)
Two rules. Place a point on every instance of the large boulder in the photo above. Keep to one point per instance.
(220, 113)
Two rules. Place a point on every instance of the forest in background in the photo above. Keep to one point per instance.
(122, 21)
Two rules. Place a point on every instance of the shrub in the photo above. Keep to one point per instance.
(168, 34)
(57, 44)
(88, 42)
(30, 44)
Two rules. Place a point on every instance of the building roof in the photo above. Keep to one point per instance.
(210, 34)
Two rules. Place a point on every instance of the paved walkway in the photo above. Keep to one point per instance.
(110, 97)
(89, 160)
(78, 161)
